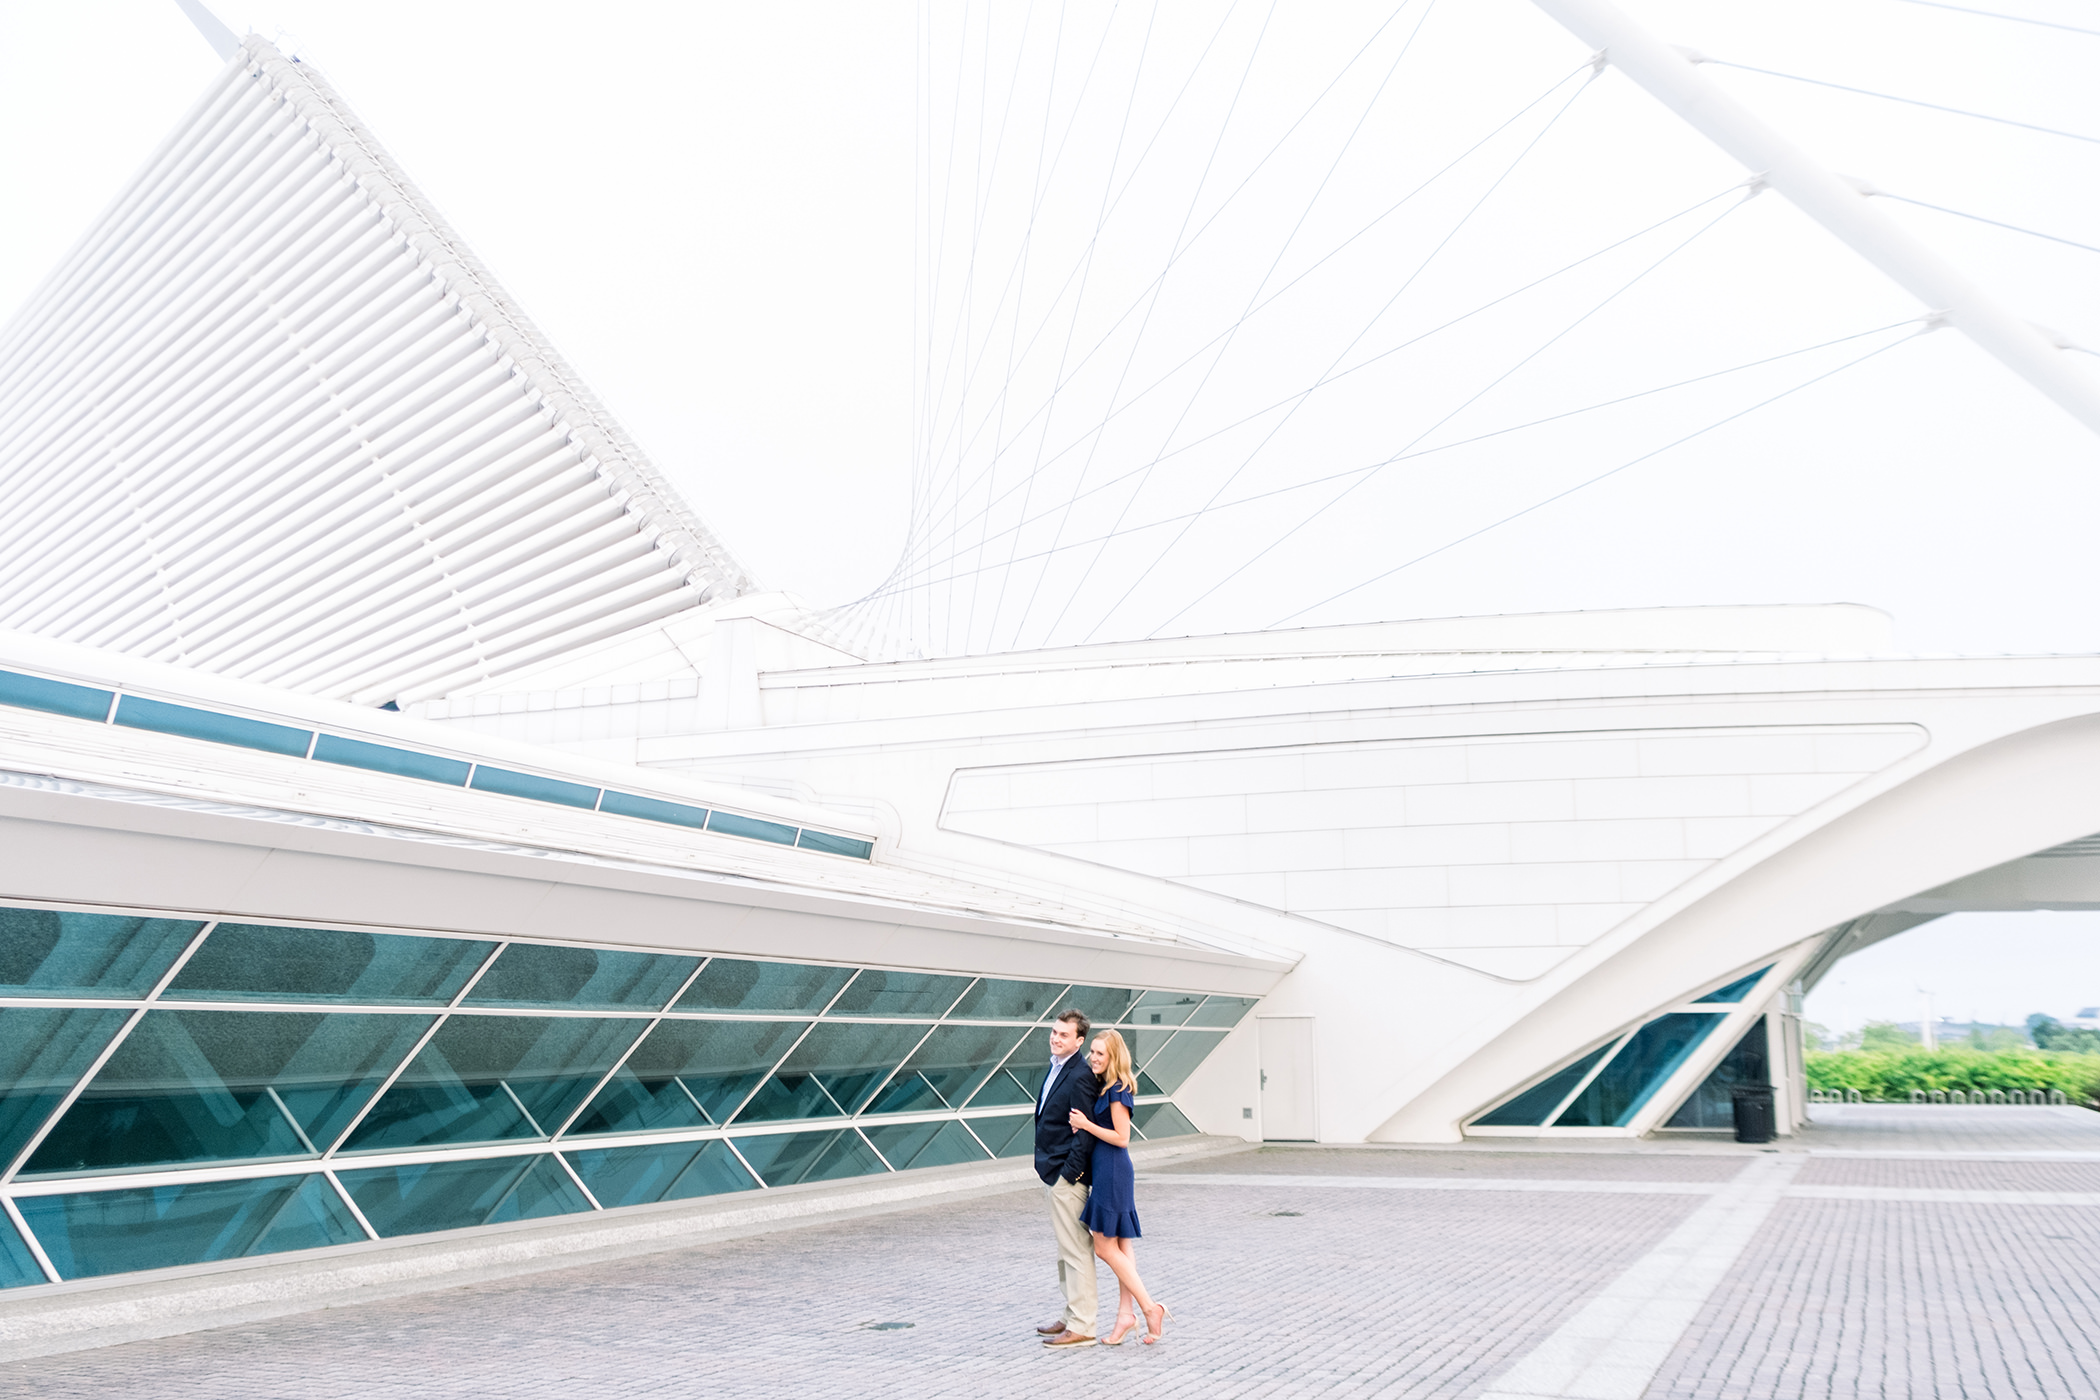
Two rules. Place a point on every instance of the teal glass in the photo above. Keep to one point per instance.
(1164, 1008)
(1104, 1006)
(18, 1267)
(1632, 1076)
(1160, 1120)
(50, 952)
(205, 1086)
(385, 758)
(417, 1200)
(1006, 1137)
(751, 828)
(732, 984)
(836, 845)
(43, 1053)
(652, 809)
(678, 1171)
(1532, 1107)
(261, 962)
(581, 979)
(89, 1234)
(137, 712)
(948, 1068)
(876, 993)
(997, 999)
(833, 1071)
(783, 1159)
(688, 1074)
(53, 698)
(1165, 1061)
(494, 1079)
(1222, 1011)
(1735, 991)
(533, 787)
(1746, 1065)
(905, 1145)
(1020, 1079)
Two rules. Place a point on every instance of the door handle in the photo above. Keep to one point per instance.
(1264, 1079)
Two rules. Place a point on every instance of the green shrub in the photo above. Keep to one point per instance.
(1890, 1075)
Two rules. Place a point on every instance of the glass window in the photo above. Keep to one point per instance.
(947, 1068)
(536, 974)
(926, 1144)
(731, 984)
(730, 824)
(42, 1054)
(45, 952)
(1222, 1011)
(533, 786)
(1163, 1064)
(996, 999)
(688, 1074)
(836, 845)
(199, 1086)
(832, 1072)
(1020, 1079)
(384, 758)
(782, 1159)
(1103, 1005)
(1712, 1104)
(259, 962)
(137, 712)
(53, 697)
(1638, 1070)
(638, 1176)
(876, 993)
(491, 1078)
(91, 1233)
(1735, 991)
(1160, 1120)
(1532, 1107)
(17, 1265)
(1164, 1008)
(453, 1195)
(652, 809)
(1006, 1137)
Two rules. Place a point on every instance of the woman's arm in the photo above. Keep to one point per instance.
(1119, 1136)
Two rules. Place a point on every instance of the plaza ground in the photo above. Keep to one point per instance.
(1886, 1252)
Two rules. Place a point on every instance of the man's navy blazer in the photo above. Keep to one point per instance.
(1059, 1150)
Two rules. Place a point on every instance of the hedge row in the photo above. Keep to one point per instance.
(1890, 1075)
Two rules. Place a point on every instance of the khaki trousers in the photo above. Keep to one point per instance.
(1075, 1255)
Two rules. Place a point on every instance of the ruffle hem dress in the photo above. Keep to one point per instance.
(1111, 1207)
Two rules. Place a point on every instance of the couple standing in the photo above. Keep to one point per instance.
(1082, 1153)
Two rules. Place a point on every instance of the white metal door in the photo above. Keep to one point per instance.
(1287, 1109)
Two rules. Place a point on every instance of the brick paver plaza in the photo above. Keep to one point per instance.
(1888, 1252)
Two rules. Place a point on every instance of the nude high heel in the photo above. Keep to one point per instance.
(1154, 1334)
(1120, 1333)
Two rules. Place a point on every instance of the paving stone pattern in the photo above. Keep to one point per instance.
(1949, 1128)
(1376, 1161)
(1950, 1175)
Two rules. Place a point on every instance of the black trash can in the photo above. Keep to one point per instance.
(1754, 1114)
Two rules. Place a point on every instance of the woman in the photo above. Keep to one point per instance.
(1111, 1209)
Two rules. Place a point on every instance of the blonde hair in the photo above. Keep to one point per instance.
(1119, 1071)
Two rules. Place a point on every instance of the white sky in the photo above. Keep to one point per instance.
(1994, 968)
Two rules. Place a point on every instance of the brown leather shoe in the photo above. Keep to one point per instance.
(1069, 1338)
(1051, 1329)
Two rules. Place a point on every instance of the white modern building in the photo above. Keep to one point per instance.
(416, 820)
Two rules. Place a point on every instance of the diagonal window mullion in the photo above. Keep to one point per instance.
(29, 1239)
(767, 1077)
(356, 1212)
(277, 1101)
(574, 1176)
(889, 1078)
(1584, 1083)
(596, 1089)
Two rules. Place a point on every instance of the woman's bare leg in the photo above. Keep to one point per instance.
(1123, 1264)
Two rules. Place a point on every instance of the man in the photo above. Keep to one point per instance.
(1061, 1160)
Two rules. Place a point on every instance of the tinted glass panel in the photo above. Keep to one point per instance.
(637, 1176)
(17, 1264)
(730, 824)
(782, 1159)
(1167, 1063)
(1015, 1083)
(1638, 1070)
(926, 1144)
(53, 697)
(88, 1234)
(453, 1195)
(42, 1054)
(996, 999)
(532, 974)
(489, 1078)
(260, 962)
(47, 953)
(876, 993)
(833, 1071)
(731, 984)
(654, 809)
(1164, 1008)
(836, 845)
(1530, 1108)
(136, 712)
(947, 1069)
(1160, 1120)
(1102, 1005)
(688, 1074)
(1222, 1011)
(1712, 1104)
(1007, 1137)
(1735, 991)
(195, 1086)
(532, 785)
(384, 758)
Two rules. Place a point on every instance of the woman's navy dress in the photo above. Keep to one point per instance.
(1111, 1207)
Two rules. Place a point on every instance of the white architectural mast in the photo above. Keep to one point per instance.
(1829, 199)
